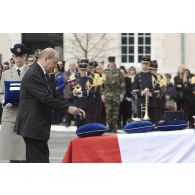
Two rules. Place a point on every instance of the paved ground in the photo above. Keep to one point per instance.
(57, 144)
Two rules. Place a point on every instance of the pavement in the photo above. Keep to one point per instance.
(58, 144)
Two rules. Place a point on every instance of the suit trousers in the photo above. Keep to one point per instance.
(37, 151)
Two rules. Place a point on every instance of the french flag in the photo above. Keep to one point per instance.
(160, 147)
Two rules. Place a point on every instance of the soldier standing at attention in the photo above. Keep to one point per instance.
(12, 146)
(146, 83)
(159, 98)
(101, 114)
(113, 93)
(82, 92)
(70, 79)
(94, 100)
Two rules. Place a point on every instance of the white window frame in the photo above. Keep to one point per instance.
(135, 63)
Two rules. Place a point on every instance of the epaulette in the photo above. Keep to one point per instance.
(193, 80)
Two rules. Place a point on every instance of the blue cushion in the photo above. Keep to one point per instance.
(139, 127)
(92, 129)
(12, 92)
(172, 125)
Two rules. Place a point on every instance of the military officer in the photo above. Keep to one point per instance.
(113, 93)
(101, 112)
(82, 92)
(145, 84)
(159, 98)
(96, 102)
(69, 77)
(12, 146)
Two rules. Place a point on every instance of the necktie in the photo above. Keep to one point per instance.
(47, 80)
(19, 71)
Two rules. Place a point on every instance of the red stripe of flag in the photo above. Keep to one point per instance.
(97, 149)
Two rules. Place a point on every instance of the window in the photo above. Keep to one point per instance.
(144, 45)
(127, 48)
(134, 46)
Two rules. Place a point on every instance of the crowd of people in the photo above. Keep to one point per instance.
(121, 87)
(171, 94)
(104, 93)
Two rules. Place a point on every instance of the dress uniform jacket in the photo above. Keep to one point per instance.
(84, 101)
(36, 101)
(145, 80)
(12, 146)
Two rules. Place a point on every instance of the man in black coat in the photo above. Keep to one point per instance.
(37, 99)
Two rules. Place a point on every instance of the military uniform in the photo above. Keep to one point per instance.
(12, 146)
(96, 102)
(159, 99)
(82, 94)
(143, 80)
(70, 79)
(114, 86)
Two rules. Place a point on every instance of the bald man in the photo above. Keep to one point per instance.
(37, 98)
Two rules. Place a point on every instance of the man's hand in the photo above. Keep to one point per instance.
(76, 111)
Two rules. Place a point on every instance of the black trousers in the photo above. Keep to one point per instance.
(37, 151)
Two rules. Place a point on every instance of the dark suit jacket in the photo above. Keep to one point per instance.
(36, 101)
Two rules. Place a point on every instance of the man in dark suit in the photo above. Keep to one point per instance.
(37, 98)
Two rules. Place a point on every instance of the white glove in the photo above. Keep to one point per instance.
(128, 99)
(167, 97)
(8, 105)
(121, 97)
(2, 100)
(103, 98)
(149, 94)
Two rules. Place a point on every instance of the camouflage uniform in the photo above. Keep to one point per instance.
(114, 86)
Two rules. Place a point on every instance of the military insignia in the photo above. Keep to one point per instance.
(18, 50)
(193, 80)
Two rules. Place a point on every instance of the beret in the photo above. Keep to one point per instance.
(139, 127)
(92, 129)
(172, 125)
